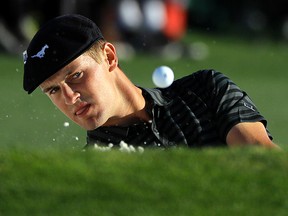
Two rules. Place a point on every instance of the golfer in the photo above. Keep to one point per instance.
(79, 71)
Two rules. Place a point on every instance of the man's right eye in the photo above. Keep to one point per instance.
(53, 90)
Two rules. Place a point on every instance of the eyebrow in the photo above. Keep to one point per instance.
(45, 90)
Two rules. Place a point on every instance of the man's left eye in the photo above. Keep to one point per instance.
(76, 75)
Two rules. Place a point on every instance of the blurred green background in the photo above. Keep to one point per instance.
(246, 40)
(258, 67)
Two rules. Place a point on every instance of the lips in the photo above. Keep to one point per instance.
(82, 109)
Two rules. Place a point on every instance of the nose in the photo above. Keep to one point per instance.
(70, 96)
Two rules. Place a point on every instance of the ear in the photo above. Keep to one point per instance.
(111, 56)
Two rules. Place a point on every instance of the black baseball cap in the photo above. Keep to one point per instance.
(56, 44)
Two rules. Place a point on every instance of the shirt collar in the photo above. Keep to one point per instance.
(156, 99)
(156, 95)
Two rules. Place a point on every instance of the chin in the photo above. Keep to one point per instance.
(91, 125)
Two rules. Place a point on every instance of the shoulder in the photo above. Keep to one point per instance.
(201, 76)
(201, 80)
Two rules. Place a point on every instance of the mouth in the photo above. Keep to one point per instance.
(82, 109)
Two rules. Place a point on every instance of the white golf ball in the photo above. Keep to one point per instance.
(163, 76)
(66, 124)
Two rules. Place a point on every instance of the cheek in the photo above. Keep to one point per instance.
(59, 103)
(96, 86)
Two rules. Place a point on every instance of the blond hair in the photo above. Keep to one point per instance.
(96, 51)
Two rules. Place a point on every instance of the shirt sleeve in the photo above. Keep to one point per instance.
(230, 104)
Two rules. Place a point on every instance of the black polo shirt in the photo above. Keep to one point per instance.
(195, 111)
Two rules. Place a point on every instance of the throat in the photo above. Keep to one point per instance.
(133, 118)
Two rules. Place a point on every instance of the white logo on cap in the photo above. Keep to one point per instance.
(41, 53)
(25, 56)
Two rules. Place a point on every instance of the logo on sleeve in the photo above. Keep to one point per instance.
(249, 106)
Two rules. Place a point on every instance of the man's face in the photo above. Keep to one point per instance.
(83, 91)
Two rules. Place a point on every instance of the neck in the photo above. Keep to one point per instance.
(131, 104)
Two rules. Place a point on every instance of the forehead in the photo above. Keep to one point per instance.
(62, 73)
